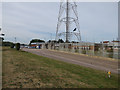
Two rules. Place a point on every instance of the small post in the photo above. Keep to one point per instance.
(109, 74)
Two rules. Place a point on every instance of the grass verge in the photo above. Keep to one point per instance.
(25, 70)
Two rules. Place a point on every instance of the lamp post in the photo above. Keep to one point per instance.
(15, 39)
(1, 38)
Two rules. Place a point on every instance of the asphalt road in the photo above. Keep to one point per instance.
(87, 61)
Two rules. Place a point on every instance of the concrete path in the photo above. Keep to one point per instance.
(87, 61)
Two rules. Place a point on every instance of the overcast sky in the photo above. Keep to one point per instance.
(98, 21)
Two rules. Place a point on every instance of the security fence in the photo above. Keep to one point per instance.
(88, 48)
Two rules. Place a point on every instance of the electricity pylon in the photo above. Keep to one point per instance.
(66, 16)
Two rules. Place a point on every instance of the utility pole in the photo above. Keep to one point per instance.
(15, 39)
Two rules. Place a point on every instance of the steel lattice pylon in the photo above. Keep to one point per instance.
(68, 19)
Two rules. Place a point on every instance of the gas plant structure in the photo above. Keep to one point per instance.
(68, 23)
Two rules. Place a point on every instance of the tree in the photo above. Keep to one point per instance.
(12, 45)
(49, 41)
(52, 41)
(60, 41)
(36, 40)
(17, 46)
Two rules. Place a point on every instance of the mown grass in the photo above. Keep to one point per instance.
(25, 70)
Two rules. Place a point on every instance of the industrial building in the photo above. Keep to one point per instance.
(105, 48)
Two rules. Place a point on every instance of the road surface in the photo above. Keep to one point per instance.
(87, 61)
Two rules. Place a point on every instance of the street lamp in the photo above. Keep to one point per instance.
(2, 34)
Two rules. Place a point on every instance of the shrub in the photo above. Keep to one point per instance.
(83, 51)
(17, 46)
(12, 45)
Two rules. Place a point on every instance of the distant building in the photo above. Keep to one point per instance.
(115, 45)
(37, 45)
(106, 41)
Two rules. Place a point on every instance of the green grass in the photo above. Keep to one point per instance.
(25, 70)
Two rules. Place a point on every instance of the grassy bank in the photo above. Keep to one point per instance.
(25, 70)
